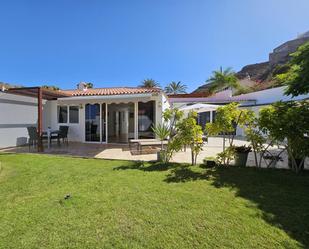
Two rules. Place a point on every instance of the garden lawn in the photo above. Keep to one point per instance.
(120, 204)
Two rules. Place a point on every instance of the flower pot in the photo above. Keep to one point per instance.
(161, 155)
(210, 163)
(241, 159)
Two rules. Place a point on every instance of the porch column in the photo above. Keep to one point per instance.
(211, 116)
(135, 120)
(106, 123)
(40, 120)
(101, 125)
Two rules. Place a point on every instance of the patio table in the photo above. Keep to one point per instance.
(49, 133)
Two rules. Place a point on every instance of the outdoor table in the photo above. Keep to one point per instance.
(49, 133)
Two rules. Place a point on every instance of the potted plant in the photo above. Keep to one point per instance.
(162, 132)
(241, 155)
(210, 162)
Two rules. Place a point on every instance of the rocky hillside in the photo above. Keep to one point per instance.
(257, 72)
(261, 74)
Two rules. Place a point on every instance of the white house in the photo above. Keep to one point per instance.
(101, 115)
(254, 101)
(109, 115)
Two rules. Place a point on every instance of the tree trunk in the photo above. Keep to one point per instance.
(192, 156)
(255, 158)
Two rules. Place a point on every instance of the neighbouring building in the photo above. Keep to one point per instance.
(254, 101)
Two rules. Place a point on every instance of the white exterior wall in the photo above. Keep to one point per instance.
(163, 105)
(74, 133)
(16, 114)
(269, 96)
(264, 98)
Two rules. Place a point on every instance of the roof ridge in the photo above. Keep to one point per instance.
(114, 87)
(108, 91)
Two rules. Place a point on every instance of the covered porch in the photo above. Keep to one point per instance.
(106, 119)
(99, 117)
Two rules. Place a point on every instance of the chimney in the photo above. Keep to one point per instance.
(82, 86)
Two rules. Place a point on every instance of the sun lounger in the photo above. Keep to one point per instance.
(146, 142)
(149, 143)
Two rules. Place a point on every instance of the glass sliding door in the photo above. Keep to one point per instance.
(120, 122)
(146, 119)
(92, 122)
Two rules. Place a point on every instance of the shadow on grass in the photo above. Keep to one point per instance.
(149, 166)
(282, 195)
(184, 174)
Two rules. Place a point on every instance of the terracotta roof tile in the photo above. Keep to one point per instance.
(188, 95)
(111, 91)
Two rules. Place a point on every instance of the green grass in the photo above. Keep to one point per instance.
(119, 204)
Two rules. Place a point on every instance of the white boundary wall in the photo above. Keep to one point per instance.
(16, 114)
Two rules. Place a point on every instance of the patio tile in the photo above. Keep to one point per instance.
(122, 152)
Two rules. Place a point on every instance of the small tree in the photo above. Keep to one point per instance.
(256, 138)
(297, 77)
(190, 133)
(288, 123)
(228, 118)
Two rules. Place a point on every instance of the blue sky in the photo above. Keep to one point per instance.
(121, 42)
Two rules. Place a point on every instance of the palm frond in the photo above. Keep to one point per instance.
(149, 83)
(175, 88)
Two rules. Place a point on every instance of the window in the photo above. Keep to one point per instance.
(68, 114)
(62, 114)
(203, 119)
(73, 114)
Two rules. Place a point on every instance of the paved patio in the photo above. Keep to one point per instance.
(122, 152)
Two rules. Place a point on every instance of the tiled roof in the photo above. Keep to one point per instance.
(112, 91)
(188, 95)
(220, 97)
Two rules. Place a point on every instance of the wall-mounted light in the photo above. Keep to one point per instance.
(81, 106)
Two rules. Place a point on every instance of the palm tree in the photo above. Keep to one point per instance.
(55, 88)
(149, 83)
(89, 85)
(221, 79)
(175, 88)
